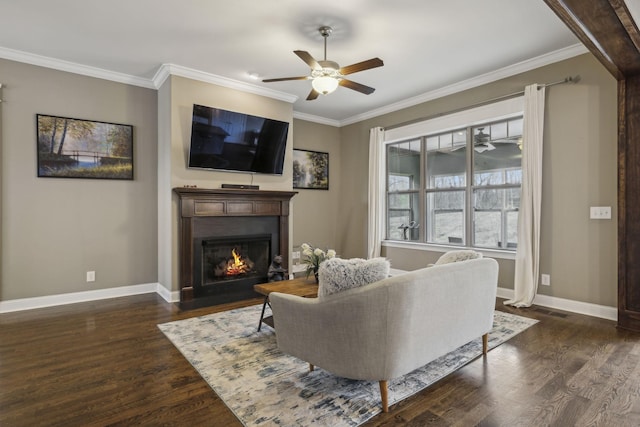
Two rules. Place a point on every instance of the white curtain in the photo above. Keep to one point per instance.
(527, 263)
(376, 191)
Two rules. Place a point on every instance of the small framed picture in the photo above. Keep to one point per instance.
(76, 148)
(310, 170)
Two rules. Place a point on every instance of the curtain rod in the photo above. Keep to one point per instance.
(570, 79)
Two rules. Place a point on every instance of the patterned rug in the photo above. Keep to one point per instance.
(265, 387)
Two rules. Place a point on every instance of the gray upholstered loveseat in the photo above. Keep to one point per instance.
(391, 327)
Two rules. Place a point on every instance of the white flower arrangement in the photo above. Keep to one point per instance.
(314, 257)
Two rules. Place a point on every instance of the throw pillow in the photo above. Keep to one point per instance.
(336, 274)
(457, 256)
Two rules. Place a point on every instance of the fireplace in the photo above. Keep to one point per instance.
(221, 228)
(231, 265)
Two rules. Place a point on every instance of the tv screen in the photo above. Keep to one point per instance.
(231, 141)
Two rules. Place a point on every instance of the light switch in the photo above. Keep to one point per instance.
(600, 212)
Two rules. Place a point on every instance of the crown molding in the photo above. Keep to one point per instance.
(161, 75)
(73, 67)
(316, 119)
(167, 70)
(511, 70)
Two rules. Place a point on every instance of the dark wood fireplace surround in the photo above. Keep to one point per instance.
(200, 212)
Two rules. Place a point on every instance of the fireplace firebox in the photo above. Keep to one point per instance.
(231, 264)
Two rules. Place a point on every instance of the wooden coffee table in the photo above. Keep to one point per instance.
(302, 287)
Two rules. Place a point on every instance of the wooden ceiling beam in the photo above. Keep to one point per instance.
(627, 21)
(607, 29)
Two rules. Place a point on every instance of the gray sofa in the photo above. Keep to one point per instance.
(391, 327)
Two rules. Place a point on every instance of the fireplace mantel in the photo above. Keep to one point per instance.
(199, 208)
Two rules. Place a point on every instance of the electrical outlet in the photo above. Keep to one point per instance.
(545, 279)
(91, 276)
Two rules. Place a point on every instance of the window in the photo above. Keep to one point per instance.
(457, 187)
(403, 187)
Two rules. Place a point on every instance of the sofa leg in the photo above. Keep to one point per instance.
(311, 367)
(485, 343)
(384, 396)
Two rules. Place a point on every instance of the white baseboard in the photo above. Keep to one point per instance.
(595, 310)
(589, 309)
(504, 293)
(94, 295)
(167, 295)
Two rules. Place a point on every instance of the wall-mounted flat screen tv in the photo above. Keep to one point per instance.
(231, 141)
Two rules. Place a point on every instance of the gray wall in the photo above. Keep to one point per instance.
(580, 170)
(315, 212)
(54, 230)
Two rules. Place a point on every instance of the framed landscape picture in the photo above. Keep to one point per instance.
(310, 169)
(75, 148)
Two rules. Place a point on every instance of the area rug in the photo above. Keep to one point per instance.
(265, 387)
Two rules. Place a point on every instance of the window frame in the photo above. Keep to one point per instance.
(466, 119)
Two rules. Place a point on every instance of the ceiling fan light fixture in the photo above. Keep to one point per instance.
(325, 84)
(327, 75)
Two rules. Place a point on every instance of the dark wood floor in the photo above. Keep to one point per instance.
(106, 363)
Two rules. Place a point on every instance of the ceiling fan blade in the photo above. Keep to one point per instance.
(361, 66)
(282, 79)
(356, 86)
(308, 59)
(313, 95)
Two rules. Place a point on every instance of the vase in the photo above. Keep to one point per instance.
(315, 274)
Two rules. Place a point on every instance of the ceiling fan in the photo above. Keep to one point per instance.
(327, 75)
(482, 142)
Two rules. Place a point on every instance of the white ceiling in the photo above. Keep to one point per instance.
(426, 45)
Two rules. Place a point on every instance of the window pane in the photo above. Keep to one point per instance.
(432, 143)
(445, 141)
(447, 168)
(495, 217)
(487, 227)
(403, 166)
(402, 215)
(499, 130)
(487, 214)
(515, 127)
(460, 137)
(497, 158)
(445, 217)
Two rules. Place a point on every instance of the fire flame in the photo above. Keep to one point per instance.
(237, 266)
